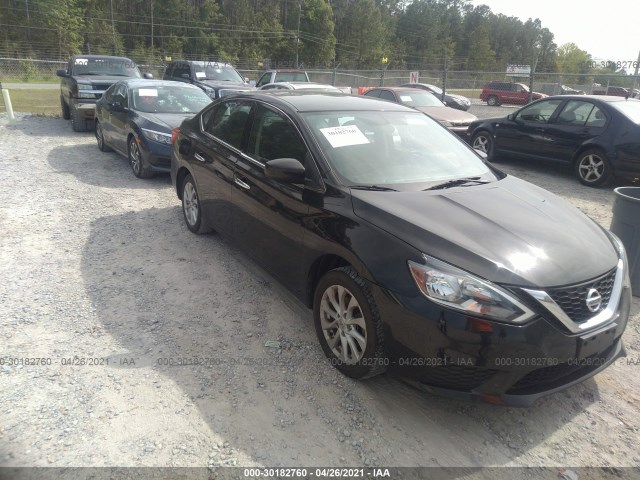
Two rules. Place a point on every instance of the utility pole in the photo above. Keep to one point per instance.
(635, 75)
(534, 63)
(113, 30)
(151, 27)
(298, 32)
(445, 74)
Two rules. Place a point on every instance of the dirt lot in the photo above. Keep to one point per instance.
(98, 265)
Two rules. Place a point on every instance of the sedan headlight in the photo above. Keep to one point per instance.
(452, 287)
(622, 253)
(159, 137)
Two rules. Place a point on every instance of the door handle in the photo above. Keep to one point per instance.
(199, 157)
(241, 184)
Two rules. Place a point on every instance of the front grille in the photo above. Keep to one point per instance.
(573, 299)
(547, 377)
(456, 377)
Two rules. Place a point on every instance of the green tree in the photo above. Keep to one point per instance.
(571, 59)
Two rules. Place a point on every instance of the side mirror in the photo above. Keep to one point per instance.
(148, 76)
(511, 116)
(61, 73)
(285, 170)
(116, 107)
(186, 75)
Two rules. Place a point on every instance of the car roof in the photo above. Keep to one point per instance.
(301, 85)
(401, 89)
(319, 102)
(285, 70)
(602, 98)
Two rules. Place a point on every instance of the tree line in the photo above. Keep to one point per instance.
(349, 34)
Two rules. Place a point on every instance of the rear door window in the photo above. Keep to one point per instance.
(228, 121)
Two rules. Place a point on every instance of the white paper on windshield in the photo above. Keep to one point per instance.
(148, 92)
(82, 61)
(406, 98)
(201, 75)
(344, 136)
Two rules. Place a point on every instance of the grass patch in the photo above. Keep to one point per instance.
(36, 101)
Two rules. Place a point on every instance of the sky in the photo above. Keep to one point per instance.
(607, 29)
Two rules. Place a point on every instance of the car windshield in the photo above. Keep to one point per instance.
(105, 66)
(169, 99)
(419, 99)
(630, 108)
(216, 71)
(393, 148)
(291, 77)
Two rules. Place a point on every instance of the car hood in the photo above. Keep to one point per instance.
(457, 97)
(226, 85)
(509, 231)
(448, 114)
(168, 121)
(99, 79)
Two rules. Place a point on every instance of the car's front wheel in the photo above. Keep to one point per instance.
(492, 101)
(483, 142)
(78, 123)
(136, 160)
(348, 324)
(102, 146)
(593, 168)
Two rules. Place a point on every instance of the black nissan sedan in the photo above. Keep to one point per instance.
(599, 137)
(135, 118)
(414, 254)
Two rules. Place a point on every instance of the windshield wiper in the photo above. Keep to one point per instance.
(458, 182)
(375, 188)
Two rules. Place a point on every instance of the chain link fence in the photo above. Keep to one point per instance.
(468, 83)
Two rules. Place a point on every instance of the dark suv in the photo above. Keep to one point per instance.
(496, 93)
(216, 79)
(84, 81)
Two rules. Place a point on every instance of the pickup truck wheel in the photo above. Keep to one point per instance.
(66, 114)
(78, 123)
(140, 168)
(593, 168)
(492, 101)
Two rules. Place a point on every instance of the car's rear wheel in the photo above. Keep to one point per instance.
(66, 114)
(492, 101)
(348, 324)
(483, 142)
(136, 160)
(103, 147)
(593, 168)
(191, 207)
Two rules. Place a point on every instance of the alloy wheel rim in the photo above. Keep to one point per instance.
(481, 143)
(591, 168)
(343, 324)
(134, 154)
(190, 204)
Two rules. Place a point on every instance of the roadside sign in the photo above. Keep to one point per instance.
(414, 77)
(518, 70)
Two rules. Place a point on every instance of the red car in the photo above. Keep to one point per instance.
(496, 93)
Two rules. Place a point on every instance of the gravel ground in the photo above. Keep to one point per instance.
(97, 266)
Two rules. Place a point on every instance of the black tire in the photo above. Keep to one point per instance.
(78, 123)
(102, 146)
(139, 166)
(191, 207)
(66, 114)
(493, 101)
(593, 168)
(483, 142)
(364, 362)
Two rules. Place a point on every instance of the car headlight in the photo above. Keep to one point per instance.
(622, 253)
(159, 137)
(452, 287)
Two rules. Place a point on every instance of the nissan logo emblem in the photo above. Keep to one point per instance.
(594, 300)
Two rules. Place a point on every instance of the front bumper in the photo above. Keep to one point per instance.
(156, 154)
(85, 107)
(449, 353)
